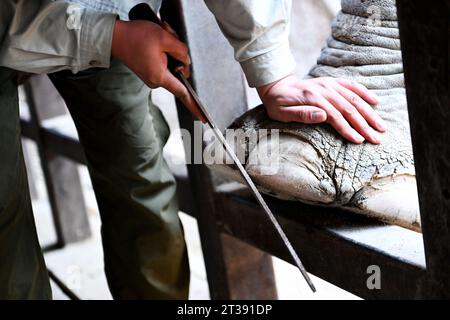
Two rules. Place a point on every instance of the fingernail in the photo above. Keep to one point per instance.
(316, 116)
(375, 138)
(359, 138)
(381, 125)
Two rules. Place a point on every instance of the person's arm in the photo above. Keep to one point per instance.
(43, 36)
(143, 46)
(259, 30)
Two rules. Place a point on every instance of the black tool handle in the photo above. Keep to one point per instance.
(143, 11)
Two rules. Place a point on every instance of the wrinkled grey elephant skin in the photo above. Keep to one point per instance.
(314, 164)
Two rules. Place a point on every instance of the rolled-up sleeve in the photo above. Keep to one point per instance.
(258, 30)
(44, 36)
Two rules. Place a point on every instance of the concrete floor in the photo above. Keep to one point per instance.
(80, 265)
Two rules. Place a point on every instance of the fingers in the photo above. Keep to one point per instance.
(169, 29)
(359, 89)
(172, 84)
(303, 114)
(178, 50)
(352, 100)
(346, 105)
(337, 121)
(363, 107)
(352, 114)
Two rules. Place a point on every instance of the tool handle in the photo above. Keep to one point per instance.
(143, 11)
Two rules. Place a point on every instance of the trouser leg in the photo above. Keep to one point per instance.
(123, 134)
(23, 274)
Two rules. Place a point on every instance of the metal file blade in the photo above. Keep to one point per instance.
(248, 181)
(143, 11)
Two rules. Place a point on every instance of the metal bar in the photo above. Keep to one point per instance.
(425, 38)
(58, 143)
(249, 270)
(203, 204)
(69, 293)
(35, 125)
(249, 183)
(60, 174)
(70, 148)
(337, 246)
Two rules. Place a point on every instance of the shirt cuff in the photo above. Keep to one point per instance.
(96, 39)
(269, 67)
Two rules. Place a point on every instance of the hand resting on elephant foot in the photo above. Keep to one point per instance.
(313, 163)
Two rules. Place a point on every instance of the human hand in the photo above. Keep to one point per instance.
(344, 104)
(143, 46)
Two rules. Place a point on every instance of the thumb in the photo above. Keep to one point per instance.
(179, 51)
(169, 29)
(172, 84)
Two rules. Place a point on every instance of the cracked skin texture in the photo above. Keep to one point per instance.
(313, 163)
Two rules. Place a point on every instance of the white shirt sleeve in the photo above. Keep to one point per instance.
(258, 30)
(43, 36)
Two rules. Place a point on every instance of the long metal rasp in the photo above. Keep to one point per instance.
(144, 12)
(248, 181)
